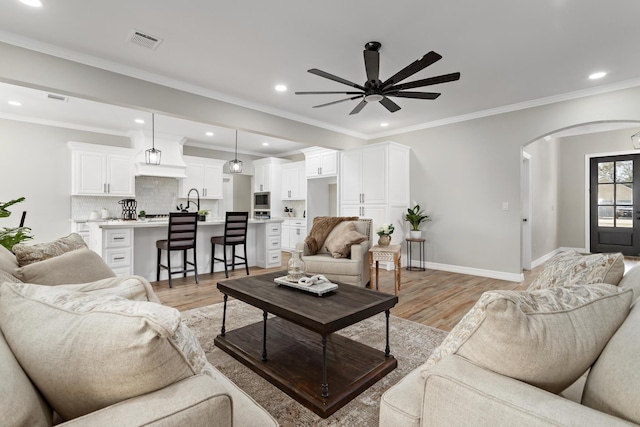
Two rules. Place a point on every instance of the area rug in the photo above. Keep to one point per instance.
(411, 343)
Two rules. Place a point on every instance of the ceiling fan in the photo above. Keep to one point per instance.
(375, 90)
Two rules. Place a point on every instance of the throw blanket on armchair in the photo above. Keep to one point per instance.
(322, 226)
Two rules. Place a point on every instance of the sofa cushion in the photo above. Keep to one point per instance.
(77, 266)
(343, 235)
(572, 268)
(547, 338)
(326, 264)
(614, 380)
(631, 280)
(28, 254)
(8, 260)
(6, 277)
(86, 352)
(21, 404)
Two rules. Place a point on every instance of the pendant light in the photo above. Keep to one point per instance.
(152, 156)
(235, 165)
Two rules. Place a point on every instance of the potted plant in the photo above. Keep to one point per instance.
(142, 215)
(202, 214)
(10, 236)
(385, 231)
(415, 216)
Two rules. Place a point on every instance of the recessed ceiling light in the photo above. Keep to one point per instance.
(384, 125)
(265, 143)
(209, 133)
(281, 88)
(15, 103)
(597, 75)
(32, 3)
(139, 121)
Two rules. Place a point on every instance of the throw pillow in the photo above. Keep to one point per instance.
(28, 254)
(572, 268)
(343, 235)
(85, 352)
(547, 338)
(322, 226)
(78, 266)
(8, 260)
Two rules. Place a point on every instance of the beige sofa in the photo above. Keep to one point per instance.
(36, 392)
(457, 390)
(353, 270)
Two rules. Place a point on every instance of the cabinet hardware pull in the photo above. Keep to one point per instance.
(118, 238)
(120, 258)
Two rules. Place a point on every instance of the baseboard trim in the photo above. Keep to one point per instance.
(491, 274)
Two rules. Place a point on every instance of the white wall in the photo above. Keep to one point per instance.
(36, 164)
(461, 173)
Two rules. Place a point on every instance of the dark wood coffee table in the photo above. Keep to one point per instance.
(322, 374)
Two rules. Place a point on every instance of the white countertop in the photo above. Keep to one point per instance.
(164, 222)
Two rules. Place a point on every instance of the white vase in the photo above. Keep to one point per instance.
(415, 234)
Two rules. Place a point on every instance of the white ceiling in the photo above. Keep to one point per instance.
(511, 54)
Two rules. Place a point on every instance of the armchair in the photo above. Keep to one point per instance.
(353, 270)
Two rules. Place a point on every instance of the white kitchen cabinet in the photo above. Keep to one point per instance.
(205, 175)
(374, 183)
(320, 162)
(99, 170)
(268, 178)
(269, 246)
(115, 246)
(262, 177)
(293, 231)
(294, 181)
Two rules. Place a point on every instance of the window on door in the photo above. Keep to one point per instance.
(615, 194)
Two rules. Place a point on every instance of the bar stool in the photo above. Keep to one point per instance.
(180, 237)
(235, 233)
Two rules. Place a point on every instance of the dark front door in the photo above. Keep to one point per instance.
(615, 207)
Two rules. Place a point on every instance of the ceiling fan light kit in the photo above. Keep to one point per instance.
(375, 90)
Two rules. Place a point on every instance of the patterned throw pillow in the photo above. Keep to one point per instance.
(572, 268)
(547, 338)
(27, 254)
(86, 352)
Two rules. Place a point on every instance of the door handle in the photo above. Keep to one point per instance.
(524, 219)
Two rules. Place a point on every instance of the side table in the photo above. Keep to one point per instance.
(386, 253)
(420, 243)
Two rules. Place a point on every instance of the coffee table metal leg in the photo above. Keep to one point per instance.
(224, 314)
(264, 336)
(325, 385)
(387, 350)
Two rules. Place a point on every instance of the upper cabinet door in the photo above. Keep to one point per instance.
(351, 177)
(262, 178)
(120, 176)
(374, 175)
(89, 174)
(213, 181)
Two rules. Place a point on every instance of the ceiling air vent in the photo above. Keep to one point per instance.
(144, 40)
(55, 97)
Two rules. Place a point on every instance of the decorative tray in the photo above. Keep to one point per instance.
(318, 289)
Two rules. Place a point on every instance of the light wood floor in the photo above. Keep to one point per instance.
(435, 298)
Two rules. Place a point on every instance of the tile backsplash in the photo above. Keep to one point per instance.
(155, 195)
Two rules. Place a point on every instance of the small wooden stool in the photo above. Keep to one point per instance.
(386, 253)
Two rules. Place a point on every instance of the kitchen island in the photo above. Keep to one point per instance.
(129, 247)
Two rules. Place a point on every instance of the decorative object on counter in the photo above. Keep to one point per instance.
(104, 213)
(152, 156)
(296, 267)
(235, 233)
(10, 236)
(142, 214)
(202, 214)
(181, 236)
(235, 165)
(288, 211)
(94, 215)
(415, 216)
(129, 209)
(385, 231)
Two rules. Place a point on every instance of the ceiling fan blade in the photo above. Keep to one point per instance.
(334, 78)
(426, 82)
(359, 107)
(336, 102)
(389, 104)
(412, 68)
(372, 64)
(416, 95)
(327, 93)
